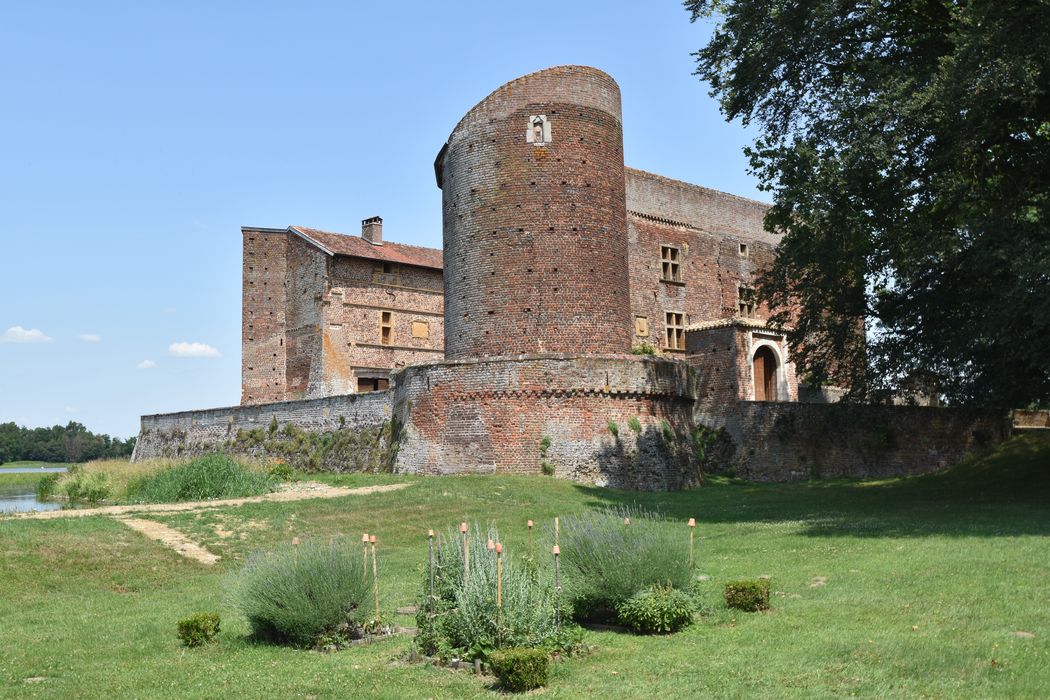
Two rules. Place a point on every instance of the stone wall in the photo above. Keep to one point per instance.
(336, 433)
(602, 420)
(263, 322)
(794, 441)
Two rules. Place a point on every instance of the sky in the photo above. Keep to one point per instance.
(137, 138)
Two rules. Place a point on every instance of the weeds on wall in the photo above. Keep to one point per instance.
(372, 449)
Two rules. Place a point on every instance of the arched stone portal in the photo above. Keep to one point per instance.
(765, 374)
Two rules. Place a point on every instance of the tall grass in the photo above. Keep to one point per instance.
(209, 477)
(297, 594)
(605, 562)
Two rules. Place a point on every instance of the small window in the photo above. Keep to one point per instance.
(743, 250)
(675, 331)
(386, 328)
(367, 384)
(746, 302)
(388, 269)
(641, 326)
(670, 270)
(420, 329)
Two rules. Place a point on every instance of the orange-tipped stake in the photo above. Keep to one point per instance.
(556, 550)
(532, 550)
(430, 546)
(364, 543)
(466, 549)
(692, 529)
(295, 541)
(557, 530)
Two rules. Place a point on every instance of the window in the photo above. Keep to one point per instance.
(539, 130)
(641, 326)
(420, 329)
(366, 384)
(743, 250)
(675, 331)
(386, 328)
(669, 259)
(746, 302)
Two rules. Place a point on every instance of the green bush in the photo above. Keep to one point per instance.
(519, 670)
(46, 487)
(547, 468)
(297, 594)
(749, 595)
(614, 429)
(91, 487)
(208, 477)
(280, 471)
(605, 562)
(462, 619)
(199, 629)
(657, 610)
(634, 424)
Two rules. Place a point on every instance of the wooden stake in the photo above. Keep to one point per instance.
(556, 550)
(692, 528)
(499, 590)
(430, 545)
(466, 549)
(375, 573)
(532, 550)
(557, 529)
(364, 568)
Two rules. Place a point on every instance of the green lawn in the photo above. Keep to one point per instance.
(925, 583)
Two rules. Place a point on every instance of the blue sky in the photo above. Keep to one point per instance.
(137, 138)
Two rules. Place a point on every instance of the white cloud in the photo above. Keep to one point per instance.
(90, 337)
(146, 364)
(192, 350)
(71, 409)
(17, 334)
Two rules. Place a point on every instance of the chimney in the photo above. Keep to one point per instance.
(372, 230)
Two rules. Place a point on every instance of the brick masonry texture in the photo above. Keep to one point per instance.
(796, 441)
(535, 247)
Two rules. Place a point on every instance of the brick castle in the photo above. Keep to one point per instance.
(582, 318)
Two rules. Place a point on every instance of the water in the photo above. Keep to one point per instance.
(22, 498)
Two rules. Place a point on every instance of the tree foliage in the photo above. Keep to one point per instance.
(906, 144)
(69, 443)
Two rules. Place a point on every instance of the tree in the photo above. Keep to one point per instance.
(906, 144)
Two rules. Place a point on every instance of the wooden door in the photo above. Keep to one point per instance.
(765, 374)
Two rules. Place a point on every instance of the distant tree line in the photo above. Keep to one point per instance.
(70, 443)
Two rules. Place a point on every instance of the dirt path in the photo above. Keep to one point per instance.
(172, 538)
(301, 491)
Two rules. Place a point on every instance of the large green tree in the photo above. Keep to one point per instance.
(906, 144)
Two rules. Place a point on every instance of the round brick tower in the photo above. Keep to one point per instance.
(534, 210)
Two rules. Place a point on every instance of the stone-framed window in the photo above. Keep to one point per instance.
(745, 301)
(674, 330)
(744, 250)
(538, 132)
(386, 328)
(670, 264)
(641, 326)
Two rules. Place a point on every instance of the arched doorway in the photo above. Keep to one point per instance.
(765, 373)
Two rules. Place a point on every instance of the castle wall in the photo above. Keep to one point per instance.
(534, 230)
(796, 441)
(263, 321)
(493, 416)
(355, 429)
(361, 292)
(306, 283)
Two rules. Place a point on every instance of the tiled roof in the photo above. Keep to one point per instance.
(730, 321)
(342, 244)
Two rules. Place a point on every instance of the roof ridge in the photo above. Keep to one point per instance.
(353, 235)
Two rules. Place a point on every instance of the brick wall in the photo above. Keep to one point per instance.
(492, 416)
(794, 441)
(535, 235)
(263, 321)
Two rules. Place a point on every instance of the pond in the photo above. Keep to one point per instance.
(19, 498)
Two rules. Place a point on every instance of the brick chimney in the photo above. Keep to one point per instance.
(372, 230)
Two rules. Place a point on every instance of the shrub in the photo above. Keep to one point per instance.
(211, 476)
(86, 486)
(643, 349)
(46, 487)
(749, 595)
(613, 428)
(605, 562)
(199, 629)
(297, 594)
(634, 424)
(280, 471)
(547, 468)
(462, 618)
(519, 670)
(656, 610)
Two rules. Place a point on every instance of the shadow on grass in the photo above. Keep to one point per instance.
(1000, 492)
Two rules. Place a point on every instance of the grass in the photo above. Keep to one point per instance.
(891, 588)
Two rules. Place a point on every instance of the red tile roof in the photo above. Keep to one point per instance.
(342, 244)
